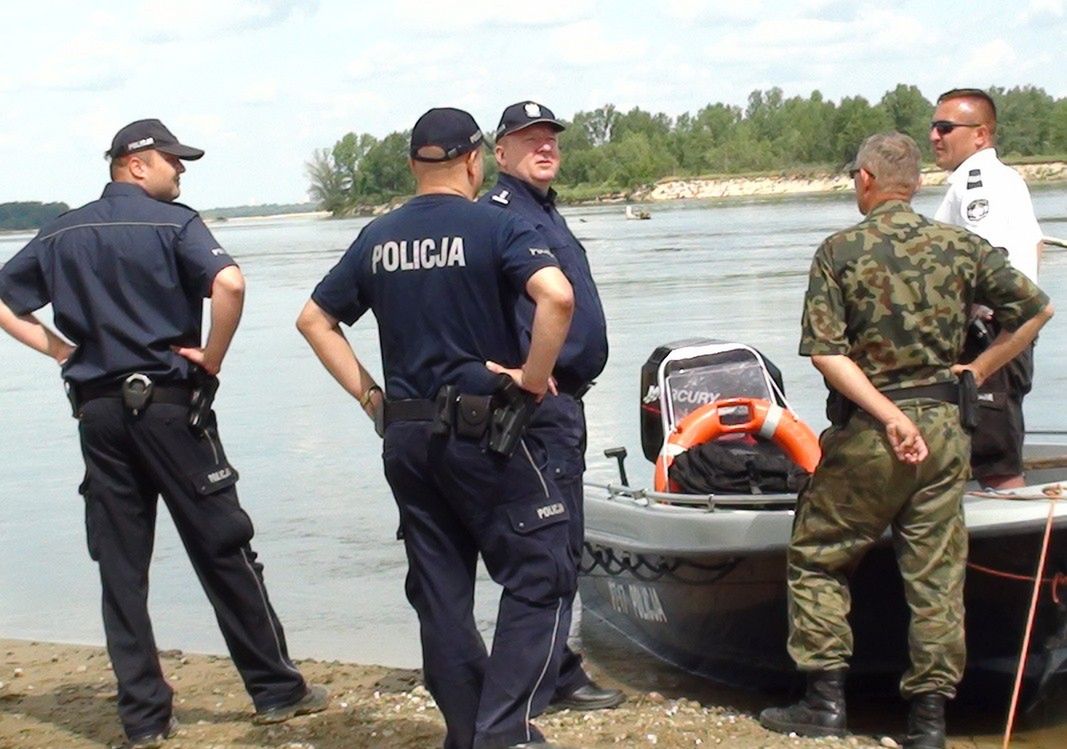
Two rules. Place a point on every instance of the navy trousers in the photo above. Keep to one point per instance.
(457, 501)
(559, 426)
(130, 461)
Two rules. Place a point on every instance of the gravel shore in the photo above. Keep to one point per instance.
(54, 695)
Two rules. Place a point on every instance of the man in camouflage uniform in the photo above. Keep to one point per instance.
(884, 322)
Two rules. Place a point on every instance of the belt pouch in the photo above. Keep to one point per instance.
(444, 411)
(472, 415)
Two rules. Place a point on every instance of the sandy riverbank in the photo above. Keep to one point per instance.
(54, 695)
(781, 185)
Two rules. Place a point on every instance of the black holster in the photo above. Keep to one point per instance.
(513, 411)
(968, 401)
(204, 388)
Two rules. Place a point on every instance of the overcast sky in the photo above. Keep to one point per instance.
(260, 84)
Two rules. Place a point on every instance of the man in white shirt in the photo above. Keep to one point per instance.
(991, 200)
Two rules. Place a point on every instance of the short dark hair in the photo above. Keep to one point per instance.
(971, 93)
(117, 162)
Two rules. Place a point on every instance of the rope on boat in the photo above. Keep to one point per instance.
(1030, 620)
(1055, 581)
(647, 570)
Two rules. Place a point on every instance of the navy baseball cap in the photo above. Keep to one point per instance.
(145, 134)
(443, 134)
(524, 114)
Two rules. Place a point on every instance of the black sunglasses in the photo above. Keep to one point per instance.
(944, 127)
(853, 172)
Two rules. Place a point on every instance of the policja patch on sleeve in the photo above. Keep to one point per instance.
(977, 209)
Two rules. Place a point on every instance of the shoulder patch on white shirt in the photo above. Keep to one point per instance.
(977, 209)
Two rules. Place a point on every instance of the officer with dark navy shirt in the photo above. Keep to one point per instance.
(126, 276)
(527, 153)
(442, 275)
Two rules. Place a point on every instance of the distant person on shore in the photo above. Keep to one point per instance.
(528, 156)
(442, 275)
(126, 276)
(992, 200)
(895, 456)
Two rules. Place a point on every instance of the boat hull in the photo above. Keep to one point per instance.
(718, 609)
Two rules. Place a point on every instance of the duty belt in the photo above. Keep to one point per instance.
(174, 393)
(839, 408)
(946, 392)
(502, 415)
(409, 410)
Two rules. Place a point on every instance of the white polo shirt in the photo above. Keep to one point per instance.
(991, 199)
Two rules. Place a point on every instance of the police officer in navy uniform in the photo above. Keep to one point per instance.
(527, 153)
(442, 275)
(126, 276)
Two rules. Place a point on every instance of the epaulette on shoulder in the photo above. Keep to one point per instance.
(974, 179)
(503, 197)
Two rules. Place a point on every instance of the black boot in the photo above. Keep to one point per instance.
(820, 713)
(926, 722)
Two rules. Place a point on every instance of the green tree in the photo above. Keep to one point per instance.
(1024, 120)
(854, 121)
(1058, 129)
(598, 124)
(384, 169)
(908, 112)
(29, 214)
(328, 187)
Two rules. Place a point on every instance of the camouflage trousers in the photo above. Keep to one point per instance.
(858, 491)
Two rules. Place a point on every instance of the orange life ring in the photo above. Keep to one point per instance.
(766, 419)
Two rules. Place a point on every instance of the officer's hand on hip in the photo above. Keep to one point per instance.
(518, 375)
(196, 356)
(979, 375)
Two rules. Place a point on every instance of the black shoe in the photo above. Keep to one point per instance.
(154, 739)
(590, 696)
(926, 722)
(315, 700)
(820, 713)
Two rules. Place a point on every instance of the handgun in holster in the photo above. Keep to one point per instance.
(204, 388)
(968, 400)
(513, 410)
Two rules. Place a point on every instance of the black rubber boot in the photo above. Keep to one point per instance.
(926, 722)
(820, 713)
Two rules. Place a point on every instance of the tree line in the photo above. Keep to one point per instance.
(607, 151)
(29, 215)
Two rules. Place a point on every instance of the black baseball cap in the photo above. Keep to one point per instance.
(145, 134)
(448, 132)
(523, 114)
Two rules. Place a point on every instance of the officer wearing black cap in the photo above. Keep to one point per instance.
(527, 153)
(126, 276)
(442, 275)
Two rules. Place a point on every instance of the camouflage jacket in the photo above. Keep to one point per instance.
(893, 294)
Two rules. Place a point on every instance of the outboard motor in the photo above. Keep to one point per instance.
(682, 376)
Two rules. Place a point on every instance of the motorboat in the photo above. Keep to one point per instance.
(637, 213)
(699, 580)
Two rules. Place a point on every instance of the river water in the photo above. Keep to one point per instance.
(310, 464)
